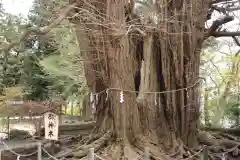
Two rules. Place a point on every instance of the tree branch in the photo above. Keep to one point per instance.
(212, 31)
(41, 30)
(219, 1)
(217, 23)
(225, 34)
(225, 9)
(236, 40)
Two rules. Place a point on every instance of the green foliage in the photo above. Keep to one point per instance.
(34, 79)
(222, 81)
(10, 63)
(57, 64)
(76, 111)
(65, 68)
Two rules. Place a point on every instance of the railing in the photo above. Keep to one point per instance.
(94, 156)
(91, 155)
(147, 156)
(39, 151)
(203, 153)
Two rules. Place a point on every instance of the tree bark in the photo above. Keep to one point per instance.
(167, 55)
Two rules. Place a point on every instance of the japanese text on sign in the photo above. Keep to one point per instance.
(51, 122)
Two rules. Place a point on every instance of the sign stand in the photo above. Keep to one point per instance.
(39, 151)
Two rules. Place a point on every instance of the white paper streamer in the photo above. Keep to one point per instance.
(91, 98)
(121, 97)
(93, 105)
(97, 99)
(107, 94)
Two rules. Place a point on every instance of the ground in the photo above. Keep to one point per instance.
(216, 143)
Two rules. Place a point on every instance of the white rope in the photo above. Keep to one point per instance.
(196, 154)
(139, 157)
(17, 154)
(131, 91)
(100, 158)
(50, 156)
(97, 156)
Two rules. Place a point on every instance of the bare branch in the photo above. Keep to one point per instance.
(225, 34)
(212, 31)
(41, 30)
(236, 41)
(219, 1)
(224, 10)
(217, 23)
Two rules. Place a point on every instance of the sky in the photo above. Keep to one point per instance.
(17, 6)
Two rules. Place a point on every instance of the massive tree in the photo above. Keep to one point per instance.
(154, 51)
(164, 48)
(157, 54)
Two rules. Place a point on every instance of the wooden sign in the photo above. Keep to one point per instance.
(51, 123)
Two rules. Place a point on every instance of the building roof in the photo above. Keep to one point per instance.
(29, 108)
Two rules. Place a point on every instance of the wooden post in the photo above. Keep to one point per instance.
(146, 154)
(52, 147)
(205, 153)
(39, 151)
(84, 105)
(91, 154)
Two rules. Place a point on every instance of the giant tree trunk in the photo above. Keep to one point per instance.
(167, 57)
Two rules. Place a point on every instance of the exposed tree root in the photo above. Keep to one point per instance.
(82, 151)
(220, 145)
(155, 149)
(215, 144)
(231, 131)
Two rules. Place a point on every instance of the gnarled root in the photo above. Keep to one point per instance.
(220, 145)
(92, 142)
(97, 144)
(213, 145)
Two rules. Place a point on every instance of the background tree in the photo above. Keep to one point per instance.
(219, 68)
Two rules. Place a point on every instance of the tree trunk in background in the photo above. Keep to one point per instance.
(87, 108)
(65, 109)
(167, 56)
(206, 108)
(71, 109)
(84, 107)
